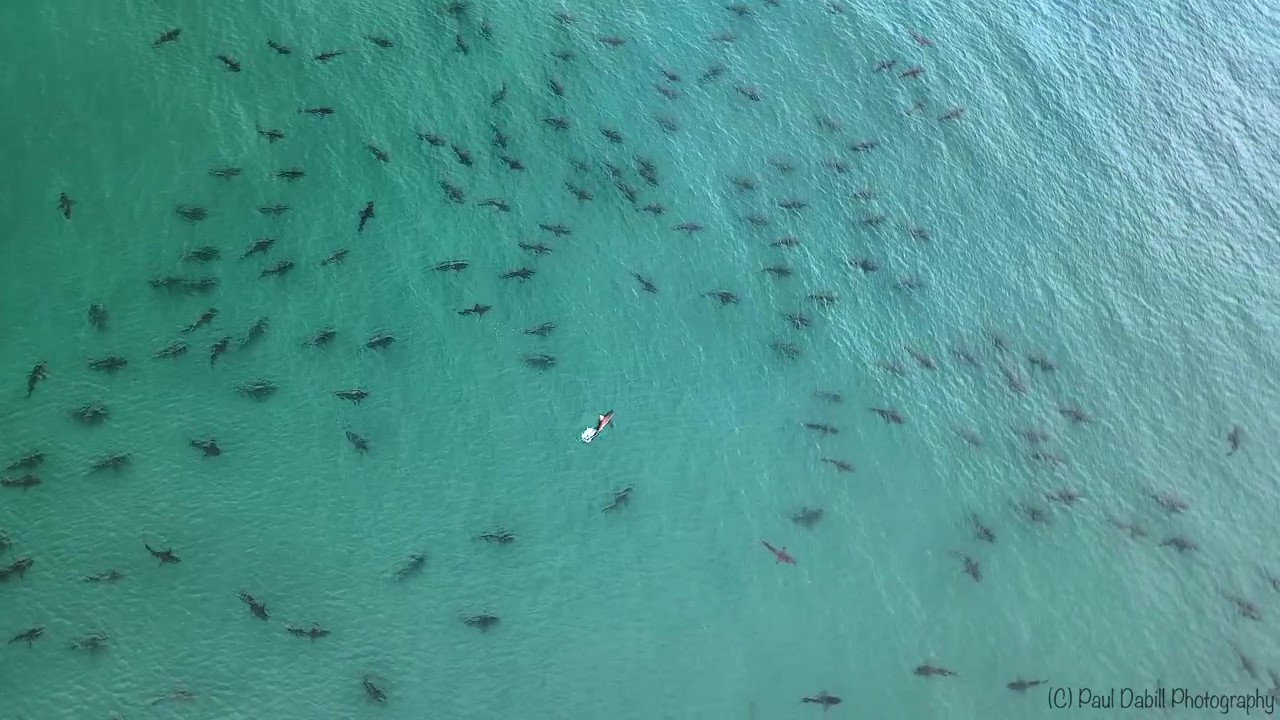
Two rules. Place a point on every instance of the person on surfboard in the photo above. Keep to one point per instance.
(589, 434)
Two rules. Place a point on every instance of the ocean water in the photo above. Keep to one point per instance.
(1107, 200)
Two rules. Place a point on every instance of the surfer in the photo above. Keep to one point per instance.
(590, 433)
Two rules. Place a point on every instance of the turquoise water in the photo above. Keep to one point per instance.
(1107, 200)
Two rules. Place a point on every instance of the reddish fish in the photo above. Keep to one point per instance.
(590, 433)
(782, 555)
